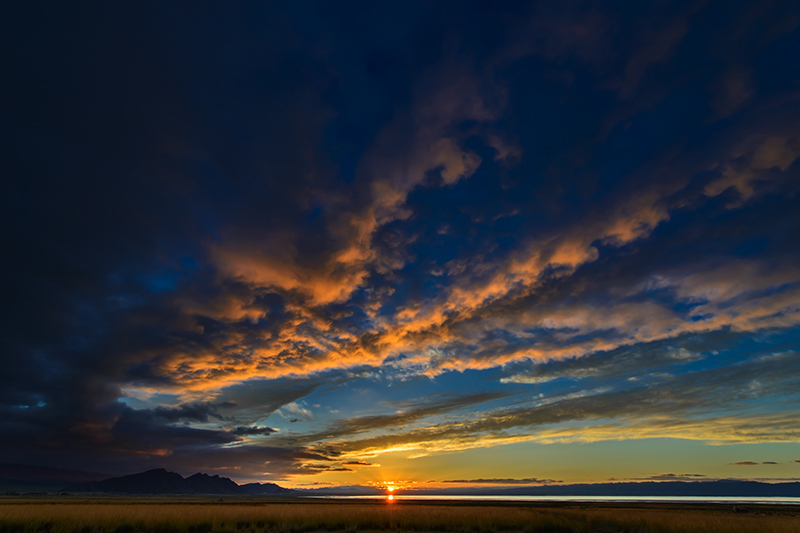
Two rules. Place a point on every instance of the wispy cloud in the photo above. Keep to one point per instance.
(504, 481)
(652, 410)
(670, 477)
(359, 463)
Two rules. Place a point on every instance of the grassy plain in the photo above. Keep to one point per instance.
(128, 515)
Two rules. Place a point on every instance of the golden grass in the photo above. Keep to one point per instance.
(297, 517)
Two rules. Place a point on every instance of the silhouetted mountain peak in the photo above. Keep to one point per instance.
(203, 476)
(205, 484)
(264, 488)
(161, 481)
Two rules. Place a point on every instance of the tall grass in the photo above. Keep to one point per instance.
(153, 517)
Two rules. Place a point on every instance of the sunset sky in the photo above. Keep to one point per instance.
(425, 243)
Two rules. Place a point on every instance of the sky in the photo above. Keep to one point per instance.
(420, 243)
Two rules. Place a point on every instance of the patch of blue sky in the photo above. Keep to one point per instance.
(166, 281)
(377, 393)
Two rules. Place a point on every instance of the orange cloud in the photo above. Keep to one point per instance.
(749, 163)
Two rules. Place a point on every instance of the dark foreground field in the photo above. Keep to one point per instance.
(296, 516)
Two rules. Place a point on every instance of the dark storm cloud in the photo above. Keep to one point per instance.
(247, 462)
(194, 412)
(123, 164)
(129, 440)
(213, 213)
(253, 430)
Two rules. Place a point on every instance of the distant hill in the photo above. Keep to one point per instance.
(15, 477)
(160, 481)
(264, 489)
(730, 488)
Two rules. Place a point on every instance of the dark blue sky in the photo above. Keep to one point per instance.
(282, 240)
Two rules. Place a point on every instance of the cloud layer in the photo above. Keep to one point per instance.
(284, 241)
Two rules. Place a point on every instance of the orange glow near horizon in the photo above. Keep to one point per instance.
(394, 485)
(390, 498)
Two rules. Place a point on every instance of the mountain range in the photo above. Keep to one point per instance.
(160, 481)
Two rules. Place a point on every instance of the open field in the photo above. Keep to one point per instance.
(120, 515)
